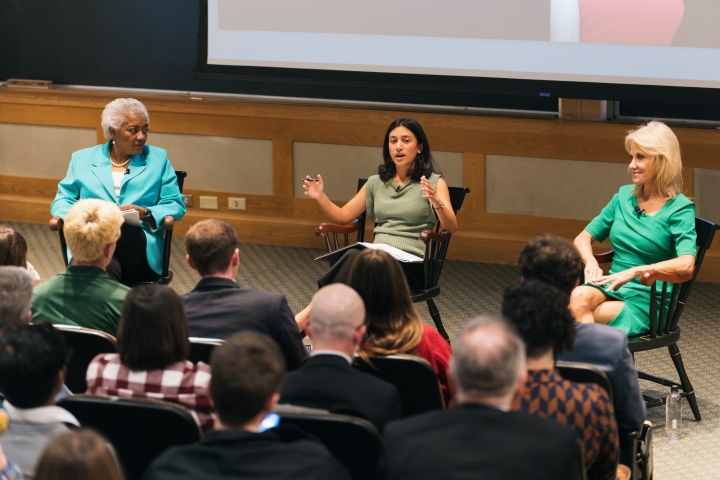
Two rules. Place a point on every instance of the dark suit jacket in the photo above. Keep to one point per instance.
(607, 348)
(478, 442)
(232, 454)
(219, 307)
(330, 383)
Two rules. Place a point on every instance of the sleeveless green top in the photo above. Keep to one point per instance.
(400, 212)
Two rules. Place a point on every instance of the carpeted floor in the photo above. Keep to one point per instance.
(468, 290)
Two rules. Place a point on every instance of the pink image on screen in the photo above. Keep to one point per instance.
(630, 22)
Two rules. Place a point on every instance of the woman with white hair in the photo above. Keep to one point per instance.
(133, 175)
(651, 226)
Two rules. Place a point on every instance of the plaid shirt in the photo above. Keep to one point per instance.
(585, 407)
(183, 382)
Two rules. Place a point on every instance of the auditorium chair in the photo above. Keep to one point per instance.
(83, 344)
(414, 378)
(138, 429)
(664, 329)
(436, 246)
(201, 349)
(353, 441)
(635, 447)
(56, 225)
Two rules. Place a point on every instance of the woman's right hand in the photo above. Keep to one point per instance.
(312, 188)
(592, 271)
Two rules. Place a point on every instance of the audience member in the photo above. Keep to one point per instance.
(540, 313)
(480, 437)
(557, 262)
(327, 380)
(78, 455)
(13, 251)
(219, 307)
(16, 291)
(152, 361)
(8, 471)
(248, 372)
(32, 371)
(91, 229)
(393, 323)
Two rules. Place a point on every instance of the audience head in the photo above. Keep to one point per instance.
(552, 260)
(658, 141)
(248, 371)
(540, 313)
(16, 290)
(92, 227)
(393, 324)
(116, 112)
(488, 362)
(337, 318)
(13, 247)
(77, 455)
(32, 363)
(153, 329)
(423, 161)
(211, 247)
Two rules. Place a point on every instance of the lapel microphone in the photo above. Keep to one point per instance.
(127, 172)
(639, 211)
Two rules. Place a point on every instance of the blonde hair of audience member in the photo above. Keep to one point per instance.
(115, 113)
(16, 289)
(658, 140)
(78, 455)
(488, 363)
(336, 319)
(393, 323)
(91, 227)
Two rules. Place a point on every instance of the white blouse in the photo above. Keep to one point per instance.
(117, 181)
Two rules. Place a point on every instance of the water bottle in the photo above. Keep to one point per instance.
(673, 414)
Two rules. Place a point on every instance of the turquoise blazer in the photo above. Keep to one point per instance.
(151, 183)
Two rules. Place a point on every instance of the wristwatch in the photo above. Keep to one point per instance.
(148, 214)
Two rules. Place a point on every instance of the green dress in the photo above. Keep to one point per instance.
(641, 239)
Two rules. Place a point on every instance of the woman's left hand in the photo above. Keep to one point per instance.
(429, 192)
(140, 210)
(616, 280)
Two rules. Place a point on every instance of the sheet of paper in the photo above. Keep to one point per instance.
(395, 252)
(132, 217)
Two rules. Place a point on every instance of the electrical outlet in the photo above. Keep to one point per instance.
(208, 203)
(188, 200)
(236, 203)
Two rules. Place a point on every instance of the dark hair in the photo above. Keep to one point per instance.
(393, 323)
(13, 247)
(246, 371)
(424, 164)
(153, 329)
(30, 358)
(210, 244)
(77, 455)
(552, 260)
(540, 313)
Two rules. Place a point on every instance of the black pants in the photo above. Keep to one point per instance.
(129, 263)
(340, 271)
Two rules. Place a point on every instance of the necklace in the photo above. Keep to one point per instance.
(119, 165)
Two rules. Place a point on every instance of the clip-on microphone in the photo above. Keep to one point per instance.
(639, 211)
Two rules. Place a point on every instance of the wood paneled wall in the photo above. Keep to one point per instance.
(282, 219)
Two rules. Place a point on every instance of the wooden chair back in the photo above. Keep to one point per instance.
(139, 429)
(201, 349)
(414, 378)
(84, 344)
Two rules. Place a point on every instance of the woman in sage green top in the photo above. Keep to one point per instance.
(651, 226)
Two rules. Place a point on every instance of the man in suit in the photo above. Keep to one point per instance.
(480, 436)
(218, 307)
(557, 262)
(327, 380)
(247, 373)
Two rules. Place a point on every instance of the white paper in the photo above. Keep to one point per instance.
(131, 217)
(395, 252)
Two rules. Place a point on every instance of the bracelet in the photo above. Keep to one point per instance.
(653, 266)
(442, 205)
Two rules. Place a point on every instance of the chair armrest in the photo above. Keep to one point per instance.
(427, 235)
(605, 257)
(324, 228)
(168, 223)
(56, 223)
(648, 278)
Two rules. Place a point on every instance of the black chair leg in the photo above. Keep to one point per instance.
(435, 314)
(684, 380)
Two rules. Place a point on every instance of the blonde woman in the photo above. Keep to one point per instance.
(651, 226)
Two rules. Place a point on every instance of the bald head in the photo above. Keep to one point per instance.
(337, 311)
(488, 360)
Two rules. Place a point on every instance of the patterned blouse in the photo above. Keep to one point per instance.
(183, 382)
(585, 407)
